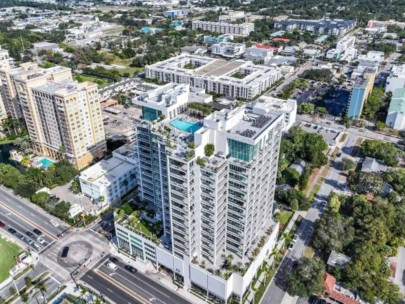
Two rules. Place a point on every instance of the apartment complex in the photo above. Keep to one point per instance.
(360, 92)
(336, 27)
(211, 182)
(242, 29)
(63, 117)
(229, 78)
(6, 62)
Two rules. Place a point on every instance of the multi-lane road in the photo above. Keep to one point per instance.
(123, 286)
(22, 219)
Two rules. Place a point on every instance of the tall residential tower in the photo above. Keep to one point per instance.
(210, 180)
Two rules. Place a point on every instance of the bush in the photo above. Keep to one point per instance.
(209, 149)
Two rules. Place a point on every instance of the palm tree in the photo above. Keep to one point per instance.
(41, 287)
(25, 297)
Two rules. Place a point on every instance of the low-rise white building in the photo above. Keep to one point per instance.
(255, 53)
(267, 104)
(242, 29)
(111, 178)
(396, 80)
(396, 111)
(229, 78)
(232, 16)
(228, 49)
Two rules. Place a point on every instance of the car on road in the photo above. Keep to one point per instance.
(37, 231)
(291, 246)
(131, 268)
(295, 238)
(29, 241)
(112, 266)
(113, 259)
(11, 230)
(55, 224)
(19, 235)
(37, 246)
(65, 252)
(2, 224)
(30, 234)
(40, 240)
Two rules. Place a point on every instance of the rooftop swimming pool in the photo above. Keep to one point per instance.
(187, 126)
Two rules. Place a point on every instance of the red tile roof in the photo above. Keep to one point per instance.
(329, 287)
(282, 39)
(267, 47)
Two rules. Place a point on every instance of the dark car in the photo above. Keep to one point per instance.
(11, 230)
(113, 259)
(37, 232)
(30, 234)
(2, 224)
(131, 268)
(65, 252)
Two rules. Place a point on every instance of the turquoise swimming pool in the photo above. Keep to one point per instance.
(45, 162)
(187, 126)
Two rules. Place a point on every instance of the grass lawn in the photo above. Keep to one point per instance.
(285, 217)
(101, 82)
(8, 251)
(308, 252)
(314, 192)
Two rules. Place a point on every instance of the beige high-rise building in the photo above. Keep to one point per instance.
(6, 62)
(63, 117)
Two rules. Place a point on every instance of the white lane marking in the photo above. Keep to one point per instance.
(109, 290)
(144, 283)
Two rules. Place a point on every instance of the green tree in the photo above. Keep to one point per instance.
(25, 298)
(379, 125)
(305, 108)
(384, 151)
(209, 150)
(292, 176)
(348, 164)
(307, 278)
(40, 198)
(28, 281)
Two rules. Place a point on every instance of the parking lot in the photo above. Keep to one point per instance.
(333, 97)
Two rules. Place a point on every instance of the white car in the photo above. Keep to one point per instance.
(112, 266)
(37, 246)
(295, 238)
(40, 240)
(55, 224)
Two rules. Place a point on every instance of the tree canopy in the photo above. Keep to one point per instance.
(384, 151)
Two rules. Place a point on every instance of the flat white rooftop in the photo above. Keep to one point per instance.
(106, 171)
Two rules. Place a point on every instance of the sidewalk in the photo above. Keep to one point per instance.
(160, 277)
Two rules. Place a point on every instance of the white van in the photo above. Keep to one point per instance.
(112, 266)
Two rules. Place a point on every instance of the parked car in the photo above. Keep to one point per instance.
(291, 246)
(295, 238)
(11, 230)
(40, 240)
(2, 224)
(131, 268)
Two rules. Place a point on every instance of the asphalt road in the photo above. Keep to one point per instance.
(11, 220)
(30, 214)
(122, 286)
(333, 182)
